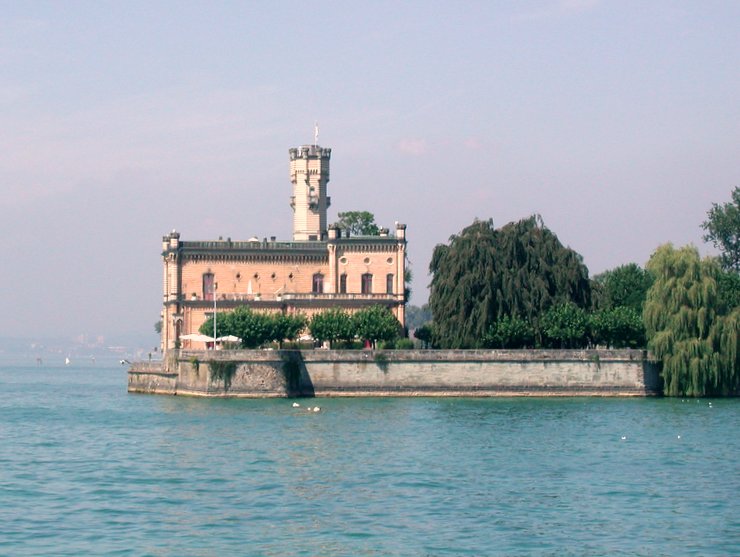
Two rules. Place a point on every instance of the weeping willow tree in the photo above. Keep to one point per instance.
(536, 272)
(690, 326)
(485, 274)
(462, 286)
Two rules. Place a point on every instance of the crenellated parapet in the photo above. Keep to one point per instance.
(171, 241)
(309, 151)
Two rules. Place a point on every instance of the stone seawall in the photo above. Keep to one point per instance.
(320, 373)
(152, 377)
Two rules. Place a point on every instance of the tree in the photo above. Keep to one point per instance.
(332, 325)
(520, 270)
(690, 328)
(376, 323)
(618, 327)
(510, 332)
(408, 277)
(728, 283)
(358, 223)
(285, 326)
(255, 329)
(158, 327)
(624, 286)
(462, 287)
(722, 228)
(252, 327)
(565, 326)
(425, 334)
(417, 316)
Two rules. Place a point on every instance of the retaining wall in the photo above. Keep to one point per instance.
(284, 373)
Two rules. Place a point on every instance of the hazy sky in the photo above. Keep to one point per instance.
(617, 121)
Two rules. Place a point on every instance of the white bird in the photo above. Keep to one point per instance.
(124, 362)
(624, 437)
(296, 405)
(316, 409)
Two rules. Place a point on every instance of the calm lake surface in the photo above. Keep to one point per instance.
(87, 469)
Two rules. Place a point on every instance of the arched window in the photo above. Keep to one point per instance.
(318, 284)
(389, 283)
(343, 283)
(208, 286)
(367, 283)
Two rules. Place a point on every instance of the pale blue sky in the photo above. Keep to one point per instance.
(617, 121)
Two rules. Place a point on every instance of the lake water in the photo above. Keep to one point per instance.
(87, 469)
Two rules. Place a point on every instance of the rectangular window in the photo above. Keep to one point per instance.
(343, 284)
(318, 283)
(208, 284)
(389, 284)
(367, 283)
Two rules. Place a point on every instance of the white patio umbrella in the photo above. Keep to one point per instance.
(197, 337)
(229, 338)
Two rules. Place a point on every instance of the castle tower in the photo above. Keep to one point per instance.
(309, 173)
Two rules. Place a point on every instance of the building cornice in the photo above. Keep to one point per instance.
(228, 250)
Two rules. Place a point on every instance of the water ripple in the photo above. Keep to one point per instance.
(86, 469)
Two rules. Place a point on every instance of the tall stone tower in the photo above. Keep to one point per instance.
(309, 173)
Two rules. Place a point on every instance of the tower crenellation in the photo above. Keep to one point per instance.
(309, 175)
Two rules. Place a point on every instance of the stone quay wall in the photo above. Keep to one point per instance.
(324, 373)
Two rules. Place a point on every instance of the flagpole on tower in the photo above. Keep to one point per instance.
(316, 134)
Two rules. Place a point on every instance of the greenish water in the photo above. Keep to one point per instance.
(87, 469)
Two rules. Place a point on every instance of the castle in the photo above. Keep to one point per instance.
(322, 267)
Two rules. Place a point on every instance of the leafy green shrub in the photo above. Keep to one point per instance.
(376, 323)
(565, 326)
(404, 344)
(619, 327)
(334, 325)
(256, 329)
(510, 332)
(425, 334)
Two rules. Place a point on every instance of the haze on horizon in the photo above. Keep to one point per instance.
(618, 122)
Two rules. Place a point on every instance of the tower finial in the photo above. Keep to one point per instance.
(316, 134)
